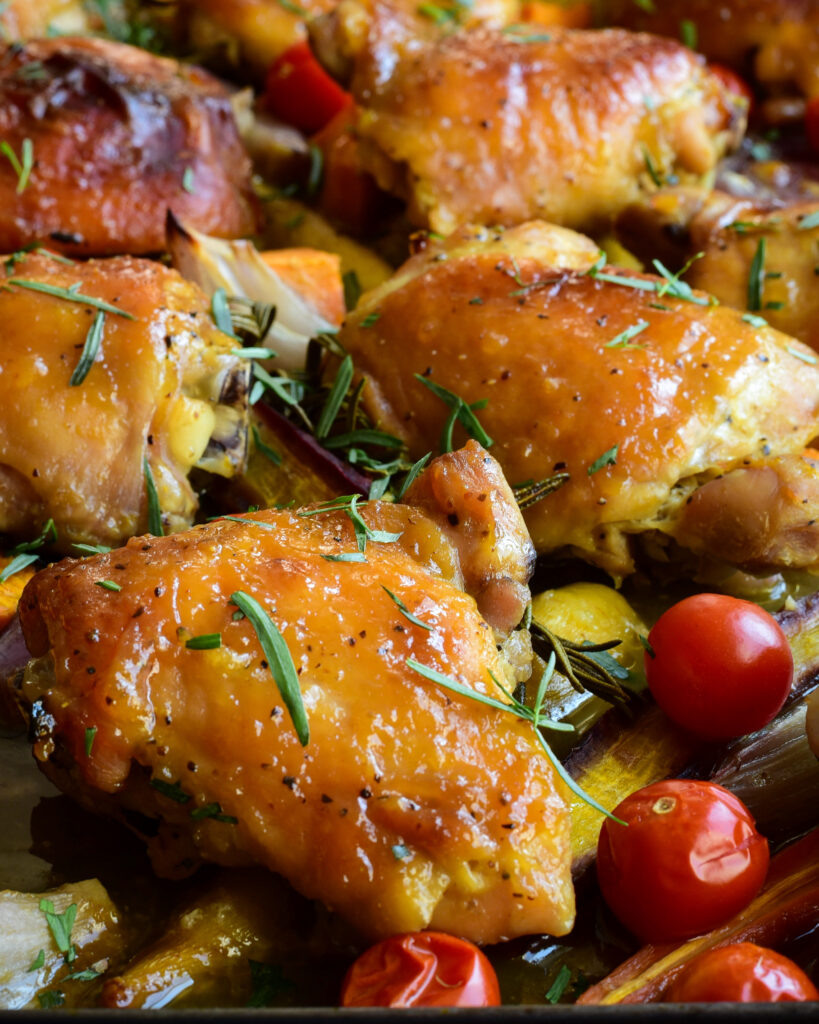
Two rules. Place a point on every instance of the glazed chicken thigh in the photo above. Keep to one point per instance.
(117, 138)
(407, 806)
(659, 403)
(78, 425)
(501, 125)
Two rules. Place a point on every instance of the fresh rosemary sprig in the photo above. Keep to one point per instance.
(530, 493)
(581, 664)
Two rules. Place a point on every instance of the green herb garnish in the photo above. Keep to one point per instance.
(89, 351)
(460, 411)
(220, 310)
(171, 790)
(414, 471)
(352, 289)
(37, 962)
(70, 294)
(688, 33)
(810, 220)
(339, 389)
(22, 167)
(624, 337)
(756, 277)
(187, 181)
(806, 357)
(608, 458)
(405, 611)
(400, 851)
(370, 319)
(17, 564)
(60, 926)
(90, 736)
(279, 659)
(215, 812)
(154, 511)
(559, 985)
(205, 642)
(50, 998)
(108, 585)
(316, 172)
(265, 449)
(345, 556)
(754, 321)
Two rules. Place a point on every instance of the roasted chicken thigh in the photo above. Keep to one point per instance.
(660, 404)
(500, 125)
(116, 138)
(408, 805)
(109, 367)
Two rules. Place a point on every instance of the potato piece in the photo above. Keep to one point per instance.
(25, 939)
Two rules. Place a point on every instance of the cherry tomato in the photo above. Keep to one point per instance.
(300, 92)
(742, 973)
(687, 860)
(733, 83)
(812, 122)
(718, 666)
(421, 969)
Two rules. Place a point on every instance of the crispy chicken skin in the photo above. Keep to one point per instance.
(721, 234)
(164, 387)
(488, 126)
(410, 806)
(638, 422)
(118, 138)
(775, 41)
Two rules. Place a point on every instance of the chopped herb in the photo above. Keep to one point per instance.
(558, 987)
(172, 790)
(92, 549)
(346, 556)
(17, 564)
(774, 305)
(400, 852)
(608, 458)
(440, 15)
(743, 227)
(688, 33)
(50, 998)
(761, 151)
(810, 220)
(806, 357)
(154, 511)
(268, 982)
(370, 319)
(295, 221)
(220, 311)
(279, 659)
(624, 337)
(524, 34)
(48, 535)
(316, 172)
(108, 585)
(247, 522)
(646, 645)
(352, 289)
(754, 321)
(213, 811)
(646, 5)
(265, 449)
(37, 962)
(90, 735)
(205, 642)
(651, 168)
(60, 926)
(676, 287)
(22, 168)
(188, 182)
(70, 294)
(293, 8)
(756, 277)
(89, 974)
(409, 479)
(459, 410)
(363, 437)
(378, 488)
(404, 610)
(89, 351)
(477, 301)
(339, 389)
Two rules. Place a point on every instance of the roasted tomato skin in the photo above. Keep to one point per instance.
(300, 92)
(742, 973)
(687, 860)
(421, 969)
(718, 666)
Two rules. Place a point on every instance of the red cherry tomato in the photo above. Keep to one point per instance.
(812, 122)
(742, 973)
(733, 83)
(299, 91)
(718, 666)
(421, 969)
(687, 860)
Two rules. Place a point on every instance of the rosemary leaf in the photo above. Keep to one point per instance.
(71, 294)
(405, 611)
(409, 479)
(756, 277)
(339, 389)
(154, 511)
(279, 659)
(89, 351)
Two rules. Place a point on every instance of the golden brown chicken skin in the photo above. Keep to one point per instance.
(117, 137)
(774, 41)
(409, 806)
(642, 397)
(499, 126)
(749, 253)
(163, 386)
